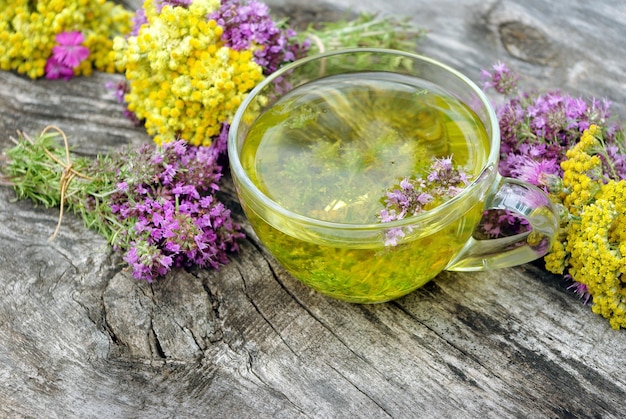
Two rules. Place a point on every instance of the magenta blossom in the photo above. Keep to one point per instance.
(66, 56)
(56, 70)
(503, 80)
(70, 52)
(535, 170)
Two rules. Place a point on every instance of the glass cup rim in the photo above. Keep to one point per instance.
(435, 214)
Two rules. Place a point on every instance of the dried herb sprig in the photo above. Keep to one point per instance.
(44, 171)
(366, 30)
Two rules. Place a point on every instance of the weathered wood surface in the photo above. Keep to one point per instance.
(79, 337)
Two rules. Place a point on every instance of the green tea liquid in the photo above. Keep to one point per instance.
(330, 149)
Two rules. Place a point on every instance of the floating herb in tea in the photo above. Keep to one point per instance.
(330, 149)
(415, 194)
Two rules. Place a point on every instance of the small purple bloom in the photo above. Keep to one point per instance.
(166, 261)
(424, 198)
(534, 170)
(393, 235)
(580, 289)
(502, 79)
(168, 174)
(250, 26)
(206, 201)
(406, 185)
(139, 19)
(413, 195)
(120, 89)
(131, 256)
(122, 186)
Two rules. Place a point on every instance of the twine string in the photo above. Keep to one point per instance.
(68, 174)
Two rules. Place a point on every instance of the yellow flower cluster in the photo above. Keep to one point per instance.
(592, 238)
(183, 81)
(582, 171)
(28, 29)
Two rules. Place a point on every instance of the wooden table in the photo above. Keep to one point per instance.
(79, 337)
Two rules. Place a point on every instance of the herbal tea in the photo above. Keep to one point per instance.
(330, 150)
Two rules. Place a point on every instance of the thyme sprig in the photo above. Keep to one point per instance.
(366, 30)
(46, 172)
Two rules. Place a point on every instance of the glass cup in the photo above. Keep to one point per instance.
(352, 261)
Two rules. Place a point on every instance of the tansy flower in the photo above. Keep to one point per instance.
(186, 77)
(42, 38)
(591, 245)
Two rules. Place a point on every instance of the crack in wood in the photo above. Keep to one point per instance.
(260, 312)
(272, 389)
(361, 391)
(154, 337)
(437, 333)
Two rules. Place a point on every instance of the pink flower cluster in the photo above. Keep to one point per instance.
(536, 130)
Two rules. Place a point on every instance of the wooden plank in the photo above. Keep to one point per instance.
(79, 337)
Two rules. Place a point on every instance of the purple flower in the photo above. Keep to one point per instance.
(168, 173)
(544, 126)
(535, 170)
(139, 19)
(250, 26)
(580, 289)
(536, 130)
(502, 79)
(66, 56)
(424, 198)
(120, 89)
(122, 186)
(393, 235)
(414, 195)
(172, 216)
(70, 52)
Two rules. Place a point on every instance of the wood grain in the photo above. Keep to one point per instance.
(79, 337)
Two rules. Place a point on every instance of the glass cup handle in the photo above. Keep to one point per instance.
(527, 201)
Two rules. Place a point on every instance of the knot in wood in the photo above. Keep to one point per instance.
(526, 42)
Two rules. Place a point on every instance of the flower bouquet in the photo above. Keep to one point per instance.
(574, 151)
(60, 38)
